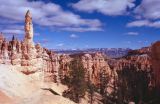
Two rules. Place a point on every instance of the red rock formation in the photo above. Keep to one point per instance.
(140, 59)
(144, 50)
(27, 57)
(155, 59)
(96, 65)
(64, 61)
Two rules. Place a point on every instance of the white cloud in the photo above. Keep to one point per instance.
(155, 24)
(12, 27)
(138, 23)
(148, 13)
(149, 9)
(7, 21)
(133, 33)
(146, 23)
(82, 29)
(107, 7)
(46, 14)
(12, 31)
(73, 36)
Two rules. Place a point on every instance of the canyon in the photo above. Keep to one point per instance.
(29, 64)
(40, 64)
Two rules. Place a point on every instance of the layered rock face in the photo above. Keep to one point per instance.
(64, 61)
(140, 62)
(143, 50)
(94, 65)
(96, 68)
(155, 59)
(139, 59)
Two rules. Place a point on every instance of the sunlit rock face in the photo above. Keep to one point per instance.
(140, 62)
(94, 64)
(64, 61)
(28, 29)
(155, 59)
(27, 57)
(139, 59)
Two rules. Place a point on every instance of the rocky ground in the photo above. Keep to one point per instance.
(17, 88)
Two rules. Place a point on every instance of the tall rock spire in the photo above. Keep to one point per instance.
(28, 29)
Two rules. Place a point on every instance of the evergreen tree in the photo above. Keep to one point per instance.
(91, 89)
(104, 80)
(77, 84)
(132, 86)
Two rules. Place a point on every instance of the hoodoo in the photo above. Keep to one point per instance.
(28, 29)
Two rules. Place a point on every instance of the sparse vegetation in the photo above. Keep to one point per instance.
(132, 85)
(91, 90)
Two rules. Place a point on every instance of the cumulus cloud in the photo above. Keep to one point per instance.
(146, 23)
(149, 9)
(132, 33)
(148, 14)
(73, 36)
(107, 7)
(46, 14)
(138, 23)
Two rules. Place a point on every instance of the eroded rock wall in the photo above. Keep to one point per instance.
(155, 59)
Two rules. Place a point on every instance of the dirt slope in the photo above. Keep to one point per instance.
(17, 88)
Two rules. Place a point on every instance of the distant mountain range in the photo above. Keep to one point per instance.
(111, 52)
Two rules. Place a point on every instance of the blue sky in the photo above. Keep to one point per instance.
(71, 24)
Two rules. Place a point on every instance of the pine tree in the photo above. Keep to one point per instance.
(104, 80)
(91, 89)
(77, 84)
